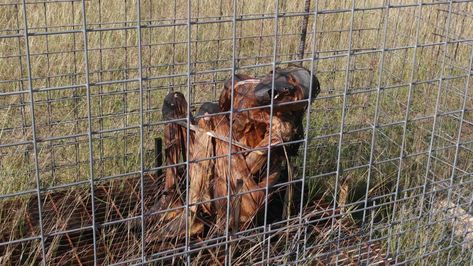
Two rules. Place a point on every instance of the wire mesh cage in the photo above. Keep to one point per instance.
(377, 168)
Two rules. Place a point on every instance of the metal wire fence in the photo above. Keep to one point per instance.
(383, 171)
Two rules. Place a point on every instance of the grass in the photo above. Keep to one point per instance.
(59, 60)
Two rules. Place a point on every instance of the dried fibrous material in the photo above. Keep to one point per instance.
(175, 136)
(201, 168)
(224, 101)
(232, 172)
(219, 171)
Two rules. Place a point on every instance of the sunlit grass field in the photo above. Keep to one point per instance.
(399, 73)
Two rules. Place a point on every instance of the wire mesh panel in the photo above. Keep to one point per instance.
(236, 132)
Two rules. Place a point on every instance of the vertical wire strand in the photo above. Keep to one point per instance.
(142, 167)
(21, 86)
(217, 61)
(102, 159)
(375, 118)
(228, 249)
(307, 126)
(89, 129)
(458, 143)
(48, 84)
(271, 113)
(172, 69)
(260, 39)
(33, 133)
(23, 100)
(376, 110)
(342, 124)
(406, 119)
(125, 85)
(437, 101)
(188, 122)
(75, 95)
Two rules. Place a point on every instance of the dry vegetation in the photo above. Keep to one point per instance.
(411, 228)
